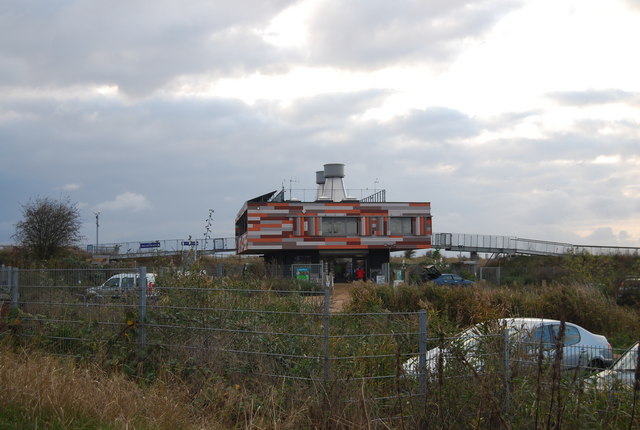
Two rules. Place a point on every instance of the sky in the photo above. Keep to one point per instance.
(512, 117)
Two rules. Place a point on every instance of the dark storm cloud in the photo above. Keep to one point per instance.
(365, 33)
(138, 46)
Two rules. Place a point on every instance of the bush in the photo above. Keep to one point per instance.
(459, 307)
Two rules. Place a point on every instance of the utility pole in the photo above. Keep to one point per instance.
(97, 227)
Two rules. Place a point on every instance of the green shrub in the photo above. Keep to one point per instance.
(459, 307)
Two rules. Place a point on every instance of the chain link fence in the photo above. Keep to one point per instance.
(248, 329)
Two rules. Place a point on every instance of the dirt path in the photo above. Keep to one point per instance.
(339, 297)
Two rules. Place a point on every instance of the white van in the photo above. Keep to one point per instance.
(122, 284)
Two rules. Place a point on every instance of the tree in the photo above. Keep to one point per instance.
(47, 226)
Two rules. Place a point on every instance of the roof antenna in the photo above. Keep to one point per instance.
(291, 181)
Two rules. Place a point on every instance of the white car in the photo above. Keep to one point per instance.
(621, 375)
(580, 347)
(120, 285)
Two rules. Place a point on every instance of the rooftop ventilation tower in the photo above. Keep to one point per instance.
(330, 186)
(320, 182)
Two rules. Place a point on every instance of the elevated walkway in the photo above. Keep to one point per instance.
(446, 241)
(153, 248)
(515, 245)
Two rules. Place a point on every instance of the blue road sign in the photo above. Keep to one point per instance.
(155, 244)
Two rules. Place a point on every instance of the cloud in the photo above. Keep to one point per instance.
(126, 202)
(139, 46)
(378, 33)
(634, 3)
(193, 107)
(594, 97)
(601, 235)
(437, 124)
(71, 187)
(331, 109)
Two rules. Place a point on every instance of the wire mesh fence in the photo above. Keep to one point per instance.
(134, 320)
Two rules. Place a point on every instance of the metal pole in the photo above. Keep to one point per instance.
(97, 227)
(422, 349)
(327, 297)
(507, 371)
(13, 282)
(142, 314)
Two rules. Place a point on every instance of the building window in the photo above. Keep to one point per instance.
(339, 226)
(242, 225)
(401, 226)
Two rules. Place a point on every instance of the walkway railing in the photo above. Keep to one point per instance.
(446, 241)
(517, 245)
(164, 247)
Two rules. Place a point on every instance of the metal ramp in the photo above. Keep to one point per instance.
(153, 248)
(460, 242)
(515, 245)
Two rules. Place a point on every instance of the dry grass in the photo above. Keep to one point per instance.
(192, 391)
(457, 308)
(40, 391)
(59, 394)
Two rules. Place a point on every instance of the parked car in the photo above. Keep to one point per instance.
(452, 279)
(431, 273)
(580, 347)
(121, 285)
(629, 291)
(621, 375)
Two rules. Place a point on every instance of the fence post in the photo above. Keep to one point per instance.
(142, 313)
(327, 298)
(422, 350)
(507, 371)
(13, 282)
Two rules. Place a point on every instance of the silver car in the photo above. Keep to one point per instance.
(528, 337)
(621, 375)
(121, 285)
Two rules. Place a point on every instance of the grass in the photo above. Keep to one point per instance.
(40, 391)
(210, 388)
(451, 309)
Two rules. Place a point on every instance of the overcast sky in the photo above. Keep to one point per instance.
(515, 118)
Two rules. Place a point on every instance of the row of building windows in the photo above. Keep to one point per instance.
(348, 226)
(339, 226)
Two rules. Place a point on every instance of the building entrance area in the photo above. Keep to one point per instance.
(347, 269)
